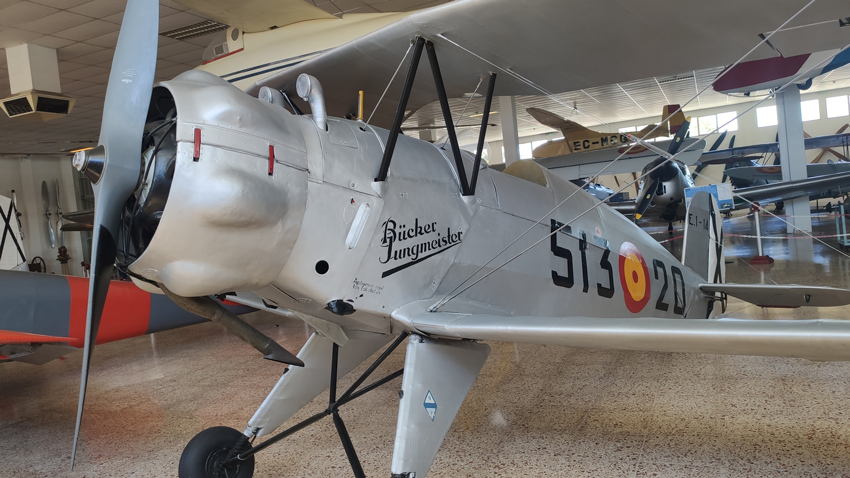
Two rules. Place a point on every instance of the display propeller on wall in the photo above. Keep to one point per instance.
(114, 166)
(45, 198)
(59, 216)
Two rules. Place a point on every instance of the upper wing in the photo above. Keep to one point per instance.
(589, 164)
(559, 45)
(257, 15)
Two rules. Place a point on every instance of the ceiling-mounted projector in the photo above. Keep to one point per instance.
(37, 105)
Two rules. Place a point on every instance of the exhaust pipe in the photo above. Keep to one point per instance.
(310, 90)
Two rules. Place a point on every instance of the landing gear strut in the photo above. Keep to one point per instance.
(222, 452)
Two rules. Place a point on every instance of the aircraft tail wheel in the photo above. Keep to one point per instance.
(205, 454)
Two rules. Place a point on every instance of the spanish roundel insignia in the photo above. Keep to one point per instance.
(634, 277)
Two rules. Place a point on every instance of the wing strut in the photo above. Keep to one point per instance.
(467, 186)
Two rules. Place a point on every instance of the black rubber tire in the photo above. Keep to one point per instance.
(207, 449)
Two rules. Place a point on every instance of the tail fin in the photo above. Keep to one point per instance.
(571, 129)
(677, 119)
(702, 251)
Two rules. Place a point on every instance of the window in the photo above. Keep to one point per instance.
(694, 128)
(837, 106)
(730, 117)
(766, 116)
(525, 151)
(810, 110)
(630, 129)
(707, 124)
(535, 144)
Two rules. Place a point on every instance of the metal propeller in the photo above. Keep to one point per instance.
(59, 216)
(45, 199)
(664, 173)
(114, 166)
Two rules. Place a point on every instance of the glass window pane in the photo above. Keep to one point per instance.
(837, 106)
(707, 124)
(723, 118)
(694, 128)
(810, 110)
(766, 116)
(630, 129)
(535, 144)
(525, 151)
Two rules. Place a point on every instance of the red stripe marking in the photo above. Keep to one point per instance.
(222, 56)
(271, 160)
(196, 155)
(229, 302)
(9, 337)
(126, 313)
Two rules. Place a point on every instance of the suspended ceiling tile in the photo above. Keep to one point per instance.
(83, 73)
(12, 36)
(55, 22)
(60, 4)
(51, 42)
(107, 41)
(116, 18)
(86, 31)
(24, 12)
(97, 57)
(74, 51)
(99, 8)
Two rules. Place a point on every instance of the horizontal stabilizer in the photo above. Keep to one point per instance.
(822, 339)
(790, 295)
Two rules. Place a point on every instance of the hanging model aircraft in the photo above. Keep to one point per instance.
(203, 189)
(770, 73)
(578, 138)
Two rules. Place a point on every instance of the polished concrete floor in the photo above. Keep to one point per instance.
(534, 411)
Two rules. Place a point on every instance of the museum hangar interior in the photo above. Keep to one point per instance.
(467, 238)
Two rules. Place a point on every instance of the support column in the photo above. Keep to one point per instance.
(510, 134)
(792, 156)
(428, 135)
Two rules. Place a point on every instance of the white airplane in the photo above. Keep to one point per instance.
(374, 238)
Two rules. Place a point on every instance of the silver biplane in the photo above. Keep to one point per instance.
(374, 238)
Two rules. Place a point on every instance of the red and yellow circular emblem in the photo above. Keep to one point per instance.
(634, 277)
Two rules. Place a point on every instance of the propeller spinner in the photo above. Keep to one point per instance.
(114, 166)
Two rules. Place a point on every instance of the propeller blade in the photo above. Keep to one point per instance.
(732, 142)
(45, 198)
(115, 165)
(59, 221)
(680, 136)
(649, 191)
(719, 141)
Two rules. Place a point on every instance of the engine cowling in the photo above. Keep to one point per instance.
(223, 192)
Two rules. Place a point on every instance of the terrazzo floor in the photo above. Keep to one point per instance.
(534, 410)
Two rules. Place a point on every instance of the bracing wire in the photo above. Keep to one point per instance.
(391, 82)
(595, 177)
(454, 293)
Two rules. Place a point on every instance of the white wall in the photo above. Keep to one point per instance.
(24, 174)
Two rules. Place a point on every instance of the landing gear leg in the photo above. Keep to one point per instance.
(669, 228)
(204, 455)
